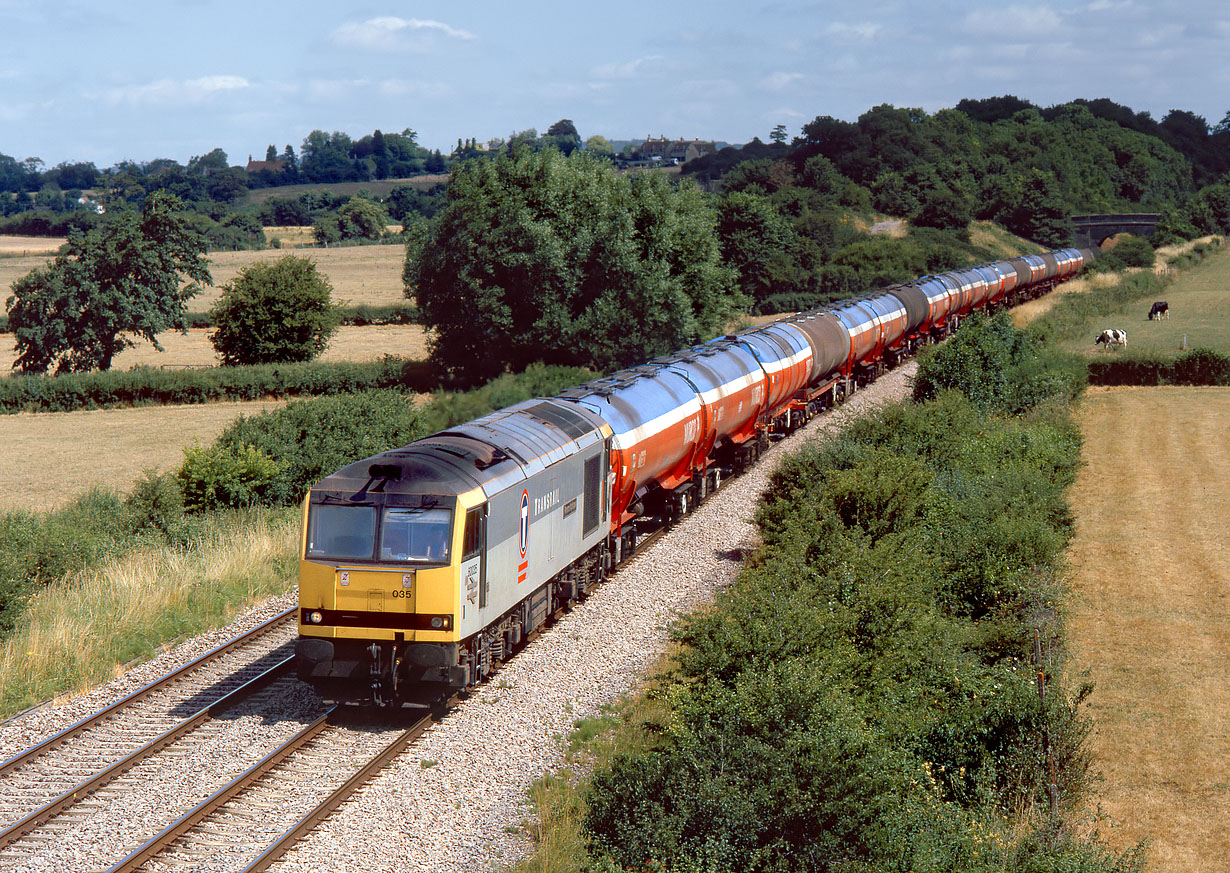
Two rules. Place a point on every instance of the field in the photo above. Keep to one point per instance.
(194, 350)
(109, 447)
(1150, 622)
(18, 246)
(359, 274)
(1197, 306)
(379, 188)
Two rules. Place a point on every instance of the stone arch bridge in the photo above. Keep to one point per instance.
(1091, 230)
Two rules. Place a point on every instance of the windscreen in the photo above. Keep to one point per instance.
(345, 532)
(408, 534)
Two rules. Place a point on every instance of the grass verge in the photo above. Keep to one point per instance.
(83, 629)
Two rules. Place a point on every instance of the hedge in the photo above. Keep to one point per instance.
(865, 696)
(1197, 367)
(147, 385)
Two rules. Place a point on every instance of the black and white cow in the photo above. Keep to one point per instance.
(1161, 309)
(1112, 337)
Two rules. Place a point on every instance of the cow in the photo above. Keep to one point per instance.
(1112, 337)
(1160, 310)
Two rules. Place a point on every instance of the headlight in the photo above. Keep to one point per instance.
(437, 622)
(316, 617)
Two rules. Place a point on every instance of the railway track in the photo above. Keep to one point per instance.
(248, 826)
(67, 770)
(307, 776)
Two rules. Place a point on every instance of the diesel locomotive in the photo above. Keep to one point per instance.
(428, 565)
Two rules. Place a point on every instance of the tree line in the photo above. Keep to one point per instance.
(539, 250)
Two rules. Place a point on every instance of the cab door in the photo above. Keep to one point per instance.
(474, 556)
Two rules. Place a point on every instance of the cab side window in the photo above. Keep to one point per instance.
(472, 542)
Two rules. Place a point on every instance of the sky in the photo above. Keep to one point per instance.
(140, 80)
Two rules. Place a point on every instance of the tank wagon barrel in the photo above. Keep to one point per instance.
(426, 566)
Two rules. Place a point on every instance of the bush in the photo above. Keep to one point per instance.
(1201, 367)
(1130, 251)
(37, 549)
(156, 502)
(146, 385)
(276, 456)
(274, 313)
(998, 367)
(223, 476)
(1197, 367)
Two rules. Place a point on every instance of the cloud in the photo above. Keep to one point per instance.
(646, 66)
(1018, 21)
(389, 33)
(781, 81)
(865, 31)
(171, 92)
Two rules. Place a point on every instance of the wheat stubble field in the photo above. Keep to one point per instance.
(359, 274)
(1150, 619)
(51, 457)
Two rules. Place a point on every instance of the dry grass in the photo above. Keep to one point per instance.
(1151, 615)
(51, 457)
(11, 246)
(358, 274)
(81, 631)
(194, 349)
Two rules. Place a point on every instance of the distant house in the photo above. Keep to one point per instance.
(278, 166)
(86, 203)
(665, 152)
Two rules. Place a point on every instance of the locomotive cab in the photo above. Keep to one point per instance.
(421, 569)
(381, 583)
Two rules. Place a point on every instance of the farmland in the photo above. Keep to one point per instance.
(1150, 621)
(359, 274)
(50, 458)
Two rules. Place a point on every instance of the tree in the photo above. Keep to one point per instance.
(208, 163)
(360, 218)
(274, 313)
(271, 153)
(778, 134)
(563, 135)
(541, 257)
(599, 146)
(124, 277)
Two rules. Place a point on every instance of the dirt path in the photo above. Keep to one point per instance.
(1151, 617)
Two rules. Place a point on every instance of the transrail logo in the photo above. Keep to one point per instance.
(523, 536)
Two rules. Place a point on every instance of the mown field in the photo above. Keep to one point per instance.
(50, 458)
(193, 349)
(359, 274)
(1150, 567)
